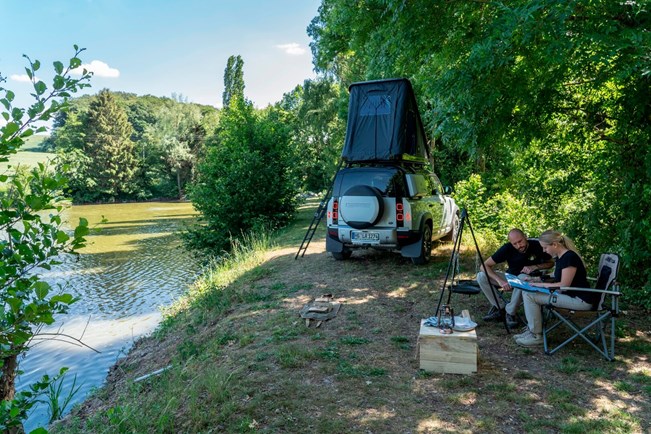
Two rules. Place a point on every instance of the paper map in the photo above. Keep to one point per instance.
(517, 283)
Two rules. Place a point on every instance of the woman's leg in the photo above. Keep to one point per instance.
(533, 302)
(533, 310)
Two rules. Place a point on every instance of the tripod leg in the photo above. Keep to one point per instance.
(450, 272)
(494, 292)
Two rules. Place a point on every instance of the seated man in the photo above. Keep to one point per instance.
(523, 256)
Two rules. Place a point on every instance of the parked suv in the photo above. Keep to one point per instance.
(389, 206)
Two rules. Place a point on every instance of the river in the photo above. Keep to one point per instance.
(134, 265)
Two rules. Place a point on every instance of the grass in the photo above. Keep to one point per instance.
(244, 361)
(57, 402)
(30, 154)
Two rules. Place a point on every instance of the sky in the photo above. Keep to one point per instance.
(161, 47)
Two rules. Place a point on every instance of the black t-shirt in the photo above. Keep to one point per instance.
(572, 259)
(516, 261)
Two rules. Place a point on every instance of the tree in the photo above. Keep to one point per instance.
(233, 80)
(315, 113)
(109, 145)
(33, 237)
(168, 138)
(247, 179)
(546, 100)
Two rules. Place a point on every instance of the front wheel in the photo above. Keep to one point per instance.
(425, 247)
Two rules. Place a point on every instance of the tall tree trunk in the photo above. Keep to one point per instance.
(8, 379)
(178, 183)
(8, 386)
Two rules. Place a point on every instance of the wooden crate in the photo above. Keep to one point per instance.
(455, 353)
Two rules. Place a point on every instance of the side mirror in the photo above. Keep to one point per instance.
(447, 189)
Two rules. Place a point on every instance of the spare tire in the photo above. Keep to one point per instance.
(361, 206)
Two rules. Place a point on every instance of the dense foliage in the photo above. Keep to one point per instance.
(548, 102)
(33, 237)
(151, 143)
(233, 80)
(316, 113)
(247, 180)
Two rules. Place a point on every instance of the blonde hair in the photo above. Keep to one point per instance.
(551, 236)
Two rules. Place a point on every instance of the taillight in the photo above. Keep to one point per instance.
(400, 216)
(335, 212)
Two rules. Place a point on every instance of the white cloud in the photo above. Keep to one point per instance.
(98, 68)
(292, 49)
(23, 78)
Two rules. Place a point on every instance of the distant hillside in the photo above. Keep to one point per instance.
(30, 153)
(34, 143)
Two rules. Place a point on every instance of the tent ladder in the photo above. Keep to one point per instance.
(318, 215)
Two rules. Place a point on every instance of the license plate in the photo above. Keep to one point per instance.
(365, 237)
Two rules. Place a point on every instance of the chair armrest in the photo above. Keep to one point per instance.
(600, 291)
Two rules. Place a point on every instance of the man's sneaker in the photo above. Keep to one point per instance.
(494, 314)
(512, 321)
(530, 340)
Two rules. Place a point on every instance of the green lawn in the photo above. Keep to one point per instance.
(30, 154)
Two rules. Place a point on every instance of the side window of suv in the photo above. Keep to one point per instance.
(397, 187)
(437, 187)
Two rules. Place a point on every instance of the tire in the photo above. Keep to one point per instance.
(342, 256)
(452, 235)
(362, 218)
(425, 247)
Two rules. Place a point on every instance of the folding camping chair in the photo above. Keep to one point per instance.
(600, 316)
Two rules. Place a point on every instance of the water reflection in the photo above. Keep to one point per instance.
(127, 272)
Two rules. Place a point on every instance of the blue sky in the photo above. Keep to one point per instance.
(160, 47)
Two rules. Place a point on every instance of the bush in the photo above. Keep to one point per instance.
(247, 180)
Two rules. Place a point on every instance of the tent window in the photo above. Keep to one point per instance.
(376, 105)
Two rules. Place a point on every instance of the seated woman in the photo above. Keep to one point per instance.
(569, 271)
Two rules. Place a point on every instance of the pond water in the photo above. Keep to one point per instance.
(131, 268)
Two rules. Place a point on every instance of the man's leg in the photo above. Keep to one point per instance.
(482, 280)
(516, 301)
(516, 298)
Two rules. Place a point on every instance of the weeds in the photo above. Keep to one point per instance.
(348, 369)
(570, 365)
(57, 402)
(293, 356)
(523, 375)
(353, 340)
(623, 386)
(401, 342)
(615, 421)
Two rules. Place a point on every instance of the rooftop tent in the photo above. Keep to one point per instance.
(384, 123)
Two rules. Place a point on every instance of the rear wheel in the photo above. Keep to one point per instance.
(342, 256)
(425, 247)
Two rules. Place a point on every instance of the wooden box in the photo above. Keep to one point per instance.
(455, 353)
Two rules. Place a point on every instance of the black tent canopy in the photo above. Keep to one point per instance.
(384, 123)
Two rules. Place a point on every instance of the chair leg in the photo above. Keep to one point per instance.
(612, 338)
(608, 353)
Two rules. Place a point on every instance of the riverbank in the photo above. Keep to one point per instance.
(238, 358)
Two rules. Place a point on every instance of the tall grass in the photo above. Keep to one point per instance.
(245, 255)
(56, 401)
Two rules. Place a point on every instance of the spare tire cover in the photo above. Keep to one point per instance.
(361, 206)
